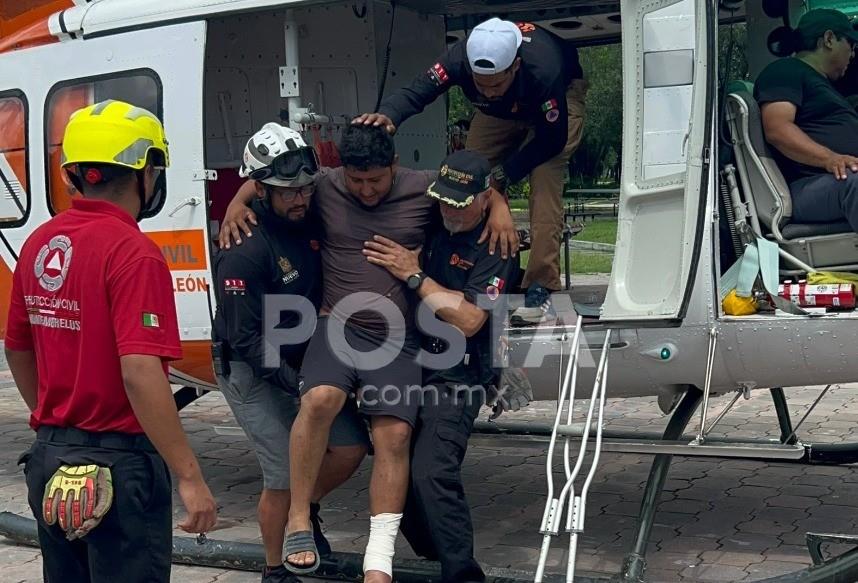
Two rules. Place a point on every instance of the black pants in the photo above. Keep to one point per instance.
(437, 519)
(133, 542)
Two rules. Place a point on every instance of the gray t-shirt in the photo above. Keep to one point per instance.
(405, 216)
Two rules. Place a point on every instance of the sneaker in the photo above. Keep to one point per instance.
(279, 574)
(537, 309)
(322, 544)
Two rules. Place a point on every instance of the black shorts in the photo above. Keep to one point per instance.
(133, 542)
(385, 378)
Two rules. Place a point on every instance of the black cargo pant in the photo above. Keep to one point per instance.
(437, 519)
(133, 542)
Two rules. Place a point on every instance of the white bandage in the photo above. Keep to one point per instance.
(383, 529)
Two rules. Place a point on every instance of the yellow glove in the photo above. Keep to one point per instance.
(78, 497)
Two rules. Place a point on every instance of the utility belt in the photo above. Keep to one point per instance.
(111, 440)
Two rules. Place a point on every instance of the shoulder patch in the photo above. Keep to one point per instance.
(526, 27)
(438, 74)
(235, 287)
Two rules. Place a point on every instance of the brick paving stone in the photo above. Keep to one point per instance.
(796, 537)
(770, 568)
(677, 562)
(789, 554)
(739, 508)
(684, 506)
(696, 545)
(792, 501)
(813, 480)
(833, 511)
(714, 573)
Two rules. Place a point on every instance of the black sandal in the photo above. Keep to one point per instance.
(301, 542)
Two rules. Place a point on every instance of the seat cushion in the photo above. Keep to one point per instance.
(799, 231)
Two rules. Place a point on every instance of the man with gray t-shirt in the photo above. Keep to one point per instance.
(365, 342)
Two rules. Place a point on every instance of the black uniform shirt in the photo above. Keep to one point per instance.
(457, 262)
(537, 95)
(822, 112)
(282, 257)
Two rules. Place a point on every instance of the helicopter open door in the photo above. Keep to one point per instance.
(668, 104)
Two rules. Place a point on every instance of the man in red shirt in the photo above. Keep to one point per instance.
(92, 324)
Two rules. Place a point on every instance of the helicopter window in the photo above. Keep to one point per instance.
(141, 88)
(14, 170)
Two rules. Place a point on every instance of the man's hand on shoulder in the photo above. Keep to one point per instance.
(377, 120)
(238, 218)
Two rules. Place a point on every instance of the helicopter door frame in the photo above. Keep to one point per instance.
(669, 51)
(173, 57)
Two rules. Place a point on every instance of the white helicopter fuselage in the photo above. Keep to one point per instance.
(215, 71)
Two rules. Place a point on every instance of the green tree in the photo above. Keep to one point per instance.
(600, 153)
(459, 108)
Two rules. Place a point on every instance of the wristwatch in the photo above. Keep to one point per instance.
(499, 176)
(415, 281)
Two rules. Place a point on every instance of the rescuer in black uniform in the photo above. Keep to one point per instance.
(528, 88)
(463, 285)
(276, 274)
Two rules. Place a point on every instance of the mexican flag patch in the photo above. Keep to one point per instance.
(549, 105)
(150, 320)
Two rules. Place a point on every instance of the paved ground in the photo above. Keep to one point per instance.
(719, 520)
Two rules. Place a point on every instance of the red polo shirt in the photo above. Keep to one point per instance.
(89, 287)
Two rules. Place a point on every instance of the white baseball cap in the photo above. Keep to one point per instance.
(492, 46)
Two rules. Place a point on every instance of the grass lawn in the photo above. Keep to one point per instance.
(599, 231)
(582, 261)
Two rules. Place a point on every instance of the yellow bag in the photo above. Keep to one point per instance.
(833, 277)
(736, 306)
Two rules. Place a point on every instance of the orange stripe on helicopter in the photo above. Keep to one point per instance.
(24, 23)
(183, 250)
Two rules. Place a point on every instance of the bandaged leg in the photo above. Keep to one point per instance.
(383, 529)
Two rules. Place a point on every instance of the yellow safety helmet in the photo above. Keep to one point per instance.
(114, 132)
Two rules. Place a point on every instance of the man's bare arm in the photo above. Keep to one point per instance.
(26, 375)
(152, 401)
(452, 307)
(783, 133)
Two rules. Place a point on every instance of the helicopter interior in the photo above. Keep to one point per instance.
(244, 89)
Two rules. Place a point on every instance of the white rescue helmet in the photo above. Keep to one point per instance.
(279, 156)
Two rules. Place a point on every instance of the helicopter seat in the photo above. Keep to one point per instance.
(830, 246)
